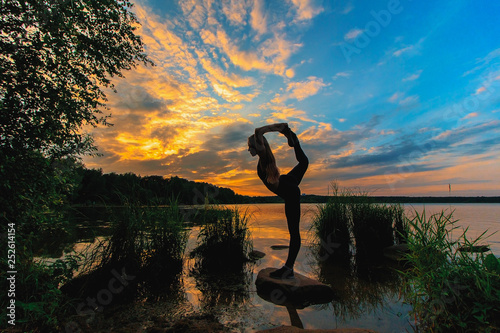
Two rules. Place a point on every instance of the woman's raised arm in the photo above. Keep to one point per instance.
(259, 133)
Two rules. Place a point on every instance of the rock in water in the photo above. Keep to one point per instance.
(300, 291)
(256, 255)
(279, 247)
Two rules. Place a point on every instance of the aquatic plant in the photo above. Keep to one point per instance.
(331, 227)
(224, 241)
(450, 290)
(352, 221)
(147, 242)
(372, 227)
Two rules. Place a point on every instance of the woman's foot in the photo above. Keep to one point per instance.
(283, 273)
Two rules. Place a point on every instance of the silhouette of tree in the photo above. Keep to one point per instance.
(55, 58)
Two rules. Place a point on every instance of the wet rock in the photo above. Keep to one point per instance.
(256, 255)
(279, 247)
(299, 292)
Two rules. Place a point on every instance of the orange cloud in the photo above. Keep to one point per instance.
(258, 19)
(306, 10)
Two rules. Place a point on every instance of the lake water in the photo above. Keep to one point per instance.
(370, 300)
(372, 303)
(477, 217)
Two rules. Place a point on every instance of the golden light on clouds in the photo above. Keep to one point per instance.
(226, 67)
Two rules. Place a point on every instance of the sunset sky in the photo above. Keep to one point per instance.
(389, 97)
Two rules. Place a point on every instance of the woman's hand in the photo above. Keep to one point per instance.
(259, 134)
(279, 127)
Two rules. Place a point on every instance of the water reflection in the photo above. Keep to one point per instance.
(231, 294)
(361, 288)
(222, 288)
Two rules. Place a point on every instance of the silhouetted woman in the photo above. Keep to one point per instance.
(285, 186)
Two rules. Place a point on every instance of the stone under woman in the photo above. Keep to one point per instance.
(286, 186)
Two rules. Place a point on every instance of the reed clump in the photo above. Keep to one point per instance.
(332, 226)
(450, 290)
(224, 241)
(373, 227)
(350, 223)
(147, 242)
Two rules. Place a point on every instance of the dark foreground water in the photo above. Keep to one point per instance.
(366, 297)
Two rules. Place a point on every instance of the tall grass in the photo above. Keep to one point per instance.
(224, 241)
(332, 225)
(146, 241)
(351, 223)
(221, 257)
(450, 290)
(373, 227)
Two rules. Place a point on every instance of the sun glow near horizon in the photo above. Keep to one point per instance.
(408, 112)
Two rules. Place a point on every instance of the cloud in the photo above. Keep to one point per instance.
(399, 52)
(235, 11)
(306, 9)
(286, 113)
(418, 152)
(411, 49)
(402, 99)
(301, 90)
(485, 63)
(216, 72)
(231, 95)
(276, 49)
(224, 67)
(137, 97)
(341, 74)
(480, 90)
(304, 89)
(353, 33)
(409, 100)
(348, 8)
(195, 11)
(395, 97)
(413, 77)
(471, 115)
(258, 19)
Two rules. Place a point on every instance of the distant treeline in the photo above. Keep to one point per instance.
(97, 188)
(407, 199)
(380, 199)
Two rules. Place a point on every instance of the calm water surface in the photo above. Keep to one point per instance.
(363, 304)
(478, 218)
(368, 299)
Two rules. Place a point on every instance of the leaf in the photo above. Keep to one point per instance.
(492, 263)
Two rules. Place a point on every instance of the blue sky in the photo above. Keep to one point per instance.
(388, 97)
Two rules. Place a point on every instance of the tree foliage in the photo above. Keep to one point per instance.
(55, 58)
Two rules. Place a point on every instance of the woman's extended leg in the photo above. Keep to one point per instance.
(300, 169)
